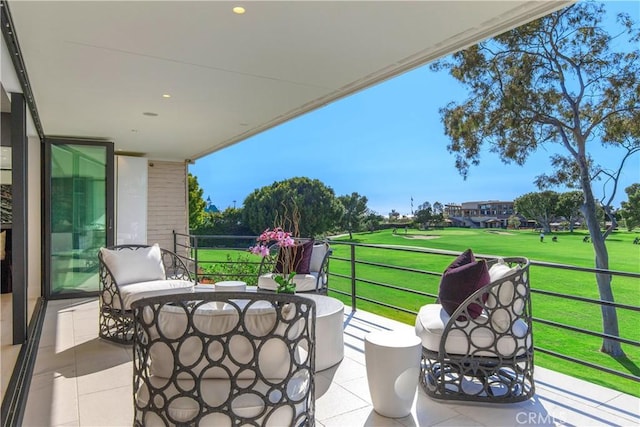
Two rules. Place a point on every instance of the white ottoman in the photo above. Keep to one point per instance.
(393, 367)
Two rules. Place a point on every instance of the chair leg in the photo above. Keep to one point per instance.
(116, 326)
(484, 380)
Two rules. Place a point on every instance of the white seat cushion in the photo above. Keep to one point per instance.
(215, 392)
(304, 282)
(134, 291)
(432, 319)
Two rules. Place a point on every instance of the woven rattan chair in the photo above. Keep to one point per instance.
(488, 358)
(224, 358)
(130, 272)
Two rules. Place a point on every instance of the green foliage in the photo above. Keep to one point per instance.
(561, 79)
(243, 267)
(372, 221)
(196, 203)
(539, 206)
(423, 216)
(286, 285)
(631, 208)
(355, 211)
(569, 205)
(556, 80)
(428, 215)
(228, 222)
(514, 222)
(316, 203)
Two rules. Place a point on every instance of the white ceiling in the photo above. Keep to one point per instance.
(96, 67)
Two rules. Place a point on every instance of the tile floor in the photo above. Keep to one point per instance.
(80, 380)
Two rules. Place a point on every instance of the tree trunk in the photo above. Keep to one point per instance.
(609, 314)
(350, 235)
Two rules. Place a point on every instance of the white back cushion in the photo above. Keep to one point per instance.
(133, 266)
(258, 322)
(503, 313)
(319, 251)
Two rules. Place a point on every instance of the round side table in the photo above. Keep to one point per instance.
(393, 366)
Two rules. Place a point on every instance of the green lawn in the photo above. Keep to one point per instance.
(570, 249)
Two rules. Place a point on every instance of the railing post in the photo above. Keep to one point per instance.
(175, 243)
(195, 254)
(353, 278)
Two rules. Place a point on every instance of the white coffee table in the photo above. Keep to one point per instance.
(329, 323)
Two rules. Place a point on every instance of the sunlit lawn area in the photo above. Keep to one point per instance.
(570, 249)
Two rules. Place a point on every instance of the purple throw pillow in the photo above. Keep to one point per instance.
(462, 278)
(301, 257)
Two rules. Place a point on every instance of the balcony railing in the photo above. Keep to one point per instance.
(365, 276)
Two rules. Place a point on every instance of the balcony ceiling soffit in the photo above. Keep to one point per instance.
(96, 67)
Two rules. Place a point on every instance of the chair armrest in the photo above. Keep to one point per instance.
(174, 266)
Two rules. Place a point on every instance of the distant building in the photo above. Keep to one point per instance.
(484, 214)
(210, 206)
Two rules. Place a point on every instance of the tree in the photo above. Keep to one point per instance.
(355, 210)
(228, 222)
(438, 208)
(424, 216)
(630, 209)
(556, 80)
(438, 213)
(316, 203)
(196, 203)
(514, 221)
(569, 204)
(394, 215)
(539, 206)
(373, 220)
(425, 205)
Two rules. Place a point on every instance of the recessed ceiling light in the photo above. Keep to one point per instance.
(134, 130)
(239, 10)
(150, 114)
(166, 95)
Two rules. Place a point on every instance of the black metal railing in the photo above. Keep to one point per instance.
(356, 282)
(403, 298)
(226, 257)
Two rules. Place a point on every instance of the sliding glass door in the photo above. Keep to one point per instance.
(79, 214)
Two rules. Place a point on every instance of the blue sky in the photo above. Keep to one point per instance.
(386, 143)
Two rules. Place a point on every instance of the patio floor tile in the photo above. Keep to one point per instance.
(86, 381)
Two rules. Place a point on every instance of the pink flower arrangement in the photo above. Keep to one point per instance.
(278, 235)
(284, 240)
